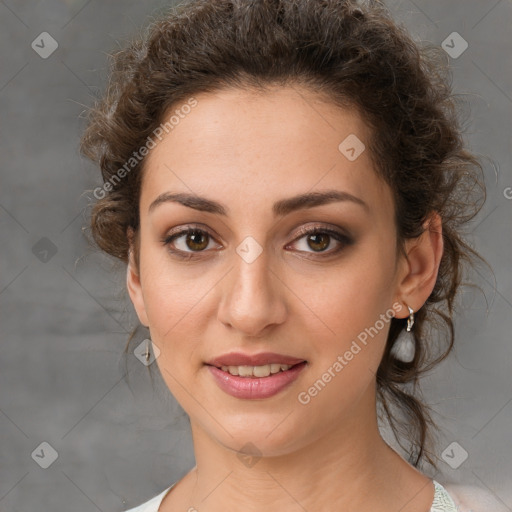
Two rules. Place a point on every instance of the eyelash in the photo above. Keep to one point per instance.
(337, 235)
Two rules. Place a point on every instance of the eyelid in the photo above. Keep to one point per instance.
(321, 227)
(183, 229)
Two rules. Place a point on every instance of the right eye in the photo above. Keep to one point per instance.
(188, 241)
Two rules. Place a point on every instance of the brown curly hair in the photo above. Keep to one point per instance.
(351, 54)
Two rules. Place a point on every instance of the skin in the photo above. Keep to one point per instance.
(248, 150)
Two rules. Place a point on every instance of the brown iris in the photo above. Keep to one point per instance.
(197, 240)
(321, 240)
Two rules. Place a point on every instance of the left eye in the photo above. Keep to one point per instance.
(320, 239)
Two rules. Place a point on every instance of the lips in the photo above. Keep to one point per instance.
(241, 359)
(250, 388)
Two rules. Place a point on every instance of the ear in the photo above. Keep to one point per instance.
(134, 286)
(421, 266)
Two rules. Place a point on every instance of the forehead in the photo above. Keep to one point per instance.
(263, 146)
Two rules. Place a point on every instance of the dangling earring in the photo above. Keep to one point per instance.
(410, 320)
(147, 353)
(404, 348)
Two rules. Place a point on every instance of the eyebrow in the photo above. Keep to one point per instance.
(280, 208)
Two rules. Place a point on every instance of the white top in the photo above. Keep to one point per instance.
(443, 502)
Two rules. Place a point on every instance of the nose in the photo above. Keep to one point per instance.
(253, 297)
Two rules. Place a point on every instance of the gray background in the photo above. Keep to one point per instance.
(65, 317)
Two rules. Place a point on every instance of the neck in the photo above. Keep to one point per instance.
(335, 470)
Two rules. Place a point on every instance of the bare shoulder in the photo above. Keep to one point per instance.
(469, 498)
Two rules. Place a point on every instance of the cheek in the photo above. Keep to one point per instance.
(172, 300)
(170, 288)
(173, 307)
(346, 356)
(352, 296)
(352, 308)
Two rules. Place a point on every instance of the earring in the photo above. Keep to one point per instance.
(147, 353)
(410, 320)
(404, 348)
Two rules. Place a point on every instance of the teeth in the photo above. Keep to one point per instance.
(256, 371)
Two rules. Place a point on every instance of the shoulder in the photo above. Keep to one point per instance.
(470, 498)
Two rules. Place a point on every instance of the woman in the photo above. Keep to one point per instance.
(287, 183)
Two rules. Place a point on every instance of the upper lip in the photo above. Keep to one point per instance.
(241, 359)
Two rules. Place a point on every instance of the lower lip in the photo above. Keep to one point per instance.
(255, 387)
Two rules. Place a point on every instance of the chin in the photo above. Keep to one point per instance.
(268, 438)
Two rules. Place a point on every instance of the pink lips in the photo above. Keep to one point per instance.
(256, 387)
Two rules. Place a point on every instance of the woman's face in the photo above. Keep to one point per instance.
(249, 280)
